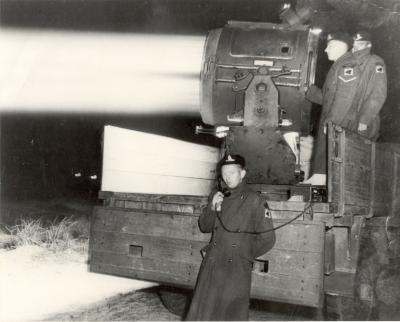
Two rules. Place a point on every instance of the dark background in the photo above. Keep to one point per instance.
(40, 153)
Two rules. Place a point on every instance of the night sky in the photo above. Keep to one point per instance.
(40, 153)
(153, 16)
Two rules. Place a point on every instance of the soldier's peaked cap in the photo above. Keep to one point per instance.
(233, 159)
(362, 36)
(341, 36)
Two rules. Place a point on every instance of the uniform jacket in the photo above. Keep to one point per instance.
(223, 285)
(339, 90)
(371, 93)
(336, 98)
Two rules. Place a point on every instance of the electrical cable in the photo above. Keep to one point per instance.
(238, 231)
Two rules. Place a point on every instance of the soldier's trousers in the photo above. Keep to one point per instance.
(319, 157)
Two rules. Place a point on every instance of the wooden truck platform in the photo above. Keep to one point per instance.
(155, 237)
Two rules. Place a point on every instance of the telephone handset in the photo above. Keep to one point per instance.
(225, 191)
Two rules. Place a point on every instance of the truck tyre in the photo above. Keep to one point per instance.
(175, 300)
(388, 292)
(344, 308)
(359, 307)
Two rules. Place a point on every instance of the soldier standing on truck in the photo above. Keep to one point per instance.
(353, 94)
(242, 230)
(336, 98)
(372, 88)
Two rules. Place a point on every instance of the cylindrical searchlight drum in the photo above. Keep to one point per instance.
(233, 56)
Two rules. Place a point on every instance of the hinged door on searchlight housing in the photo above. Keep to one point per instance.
(254, 78)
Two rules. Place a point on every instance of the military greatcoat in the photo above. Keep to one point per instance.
(223, 285)
(336, 97)
(371, 94)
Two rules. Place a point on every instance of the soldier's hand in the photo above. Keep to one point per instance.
(312, 93)
(362, 127)
(217, 201)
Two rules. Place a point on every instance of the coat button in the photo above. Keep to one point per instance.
(234, 245)
(230, 260)
(214, 243)
(216, 228)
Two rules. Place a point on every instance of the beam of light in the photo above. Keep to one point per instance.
(99, 72)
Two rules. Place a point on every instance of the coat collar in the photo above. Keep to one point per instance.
(239, 190)
(362, 53)
(342, 58)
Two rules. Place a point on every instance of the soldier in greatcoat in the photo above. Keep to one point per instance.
(242, 230)
(336, 98)
(353, 94)
(372, 88)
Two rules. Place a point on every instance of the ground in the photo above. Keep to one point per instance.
(37, 284)
(51, 280)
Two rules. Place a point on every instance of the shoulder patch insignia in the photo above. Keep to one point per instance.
(347, 80)
(348, 71)
(379, 68)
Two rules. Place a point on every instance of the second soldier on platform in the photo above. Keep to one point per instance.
(353, 94)
(336, 98)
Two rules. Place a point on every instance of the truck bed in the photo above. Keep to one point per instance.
(156, 238)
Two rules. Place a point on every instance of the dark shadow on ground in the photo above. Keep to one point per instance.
(146, 305)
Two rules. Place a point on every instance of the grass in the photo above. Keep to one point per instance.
(58, 235)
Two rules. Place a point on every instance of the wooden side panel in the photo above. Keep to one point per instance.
(145, 197)
(295, 273)
(351, 171)
(281, 261)
(165, 247)
(298, 206)
(163, 166)
(299, 237)
(171, 207)
(357, 161)
(293, 290)
(395, 205)
(363, 177)
(329, 252)
(335, 168)
(288, 289)
(158, 203)
(170, 225)
(272, 192)
(335, 186)
(175, 250)
(383, 179)
(319, 212)
(290, 262)
(154, 269)
(387, 178)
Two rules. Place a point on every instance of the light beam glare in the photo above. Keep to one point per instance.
(99, 72)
